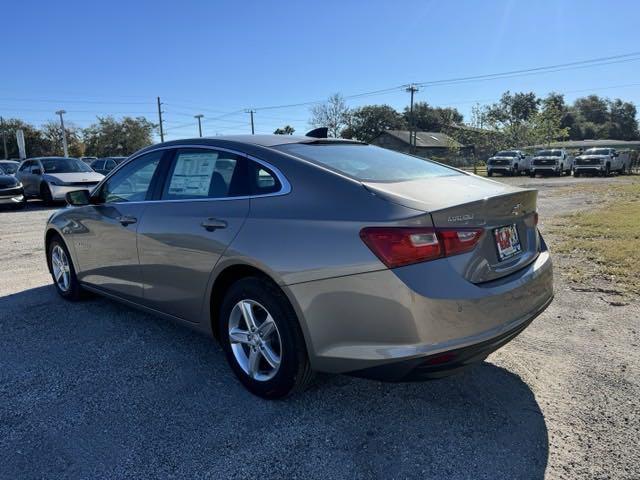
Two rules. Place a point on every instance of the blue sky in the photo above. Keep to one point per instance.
(217, 57)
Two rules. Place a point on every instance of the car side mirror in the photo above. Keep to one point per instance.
(77, 198)
(36, 171)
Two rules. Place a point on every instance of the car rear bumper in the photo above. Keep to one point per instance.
(392, 324)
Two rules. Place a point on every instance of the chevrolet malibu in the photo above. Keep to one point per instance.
(304, 254)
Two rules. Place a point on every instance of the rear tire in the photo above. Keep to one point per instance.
(532, 174)
(489, 173)
(62, 270)
(270, 365)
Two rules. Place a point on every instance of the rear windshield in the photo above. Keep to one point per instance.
(9, 168)
(366, 162)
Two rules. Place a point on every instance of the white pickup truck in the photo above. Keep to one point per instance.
(602, 161)
(508, 162)
(554, 161)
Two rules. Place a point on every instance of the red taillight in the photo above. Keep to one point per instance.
(398, 246)
(458, 241)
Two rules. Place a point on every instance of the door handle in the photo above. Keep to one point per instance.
(211, 224)
(127, 220)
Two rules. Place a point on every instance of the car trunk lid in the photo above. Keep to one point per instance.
(468, 201)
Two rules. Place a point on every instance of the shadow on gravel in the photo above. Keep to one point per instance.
(95, 389)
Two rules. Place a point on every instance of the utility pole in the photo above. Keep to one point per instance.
(199, 116)
(4, 137)
(412, 89)
(160, 120)
(64, 133)
(251, 112)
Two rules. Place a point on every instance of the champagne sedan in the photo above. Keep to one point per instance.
(303, 254)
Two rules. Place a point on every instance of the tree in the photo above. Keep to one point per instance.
(369, 121)
(592, 109)
(35, 144)
(431, 119)
(110, 137)
(334, 114)
(622, 120)
(547, 123)
(52, 135)
(286, 130)
(513, 116)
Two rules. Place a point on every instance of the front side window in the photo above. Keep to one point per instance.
(205, 173)
(26, 166)
(366, 162)
(133, 182)
(110, 165)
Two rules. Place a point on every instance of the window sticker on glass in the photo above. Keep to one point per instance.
(192, 174)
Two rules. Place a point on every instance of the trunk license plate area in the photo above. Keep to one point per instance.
(507, 242)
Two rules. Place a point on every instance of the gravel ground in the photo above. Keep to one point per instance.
(96, 389)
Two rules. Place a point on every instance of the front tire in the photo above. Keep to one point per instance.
(62, 271)
(45, 194)
(262, 340)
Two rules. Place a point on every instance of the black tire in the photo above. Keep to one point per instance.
(516, 172)
(294, 372)
(45, 194)
(532, 174)
(607, 170)
(74, 292)
(576, 174)
(489, 173)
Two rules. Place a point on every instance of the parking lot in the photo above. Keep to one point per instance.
(96, 389)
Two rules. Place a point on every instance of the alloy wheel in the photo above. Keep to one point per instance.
(60, 267)
(255, 340)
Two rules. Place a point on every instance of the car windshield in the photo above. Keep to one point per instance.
(549, 153)
(9, 168)
(64, 165)
(597, 151)
(366, 162)
(507, 154)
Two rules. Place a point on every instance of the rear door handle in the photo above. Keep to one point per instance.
(127, 220)
(211, 224)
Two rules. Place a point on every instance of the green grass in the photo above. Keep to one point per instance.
(605, 242)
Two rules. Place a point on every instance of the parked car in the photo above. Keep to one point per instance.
(302, 254)
(601, 161)
(105, 165)
(10, 167)
(551, 162)
(50, 178)
(88, 159)
(508, 162)
(11, 191)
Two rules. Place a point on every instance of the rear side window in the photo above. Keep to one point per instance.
(205, 173)
(98, 165)
(368, 163)
(262, 180)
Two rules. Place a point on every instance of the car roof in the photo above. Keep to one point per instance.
(261, 140)
(8, 161)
